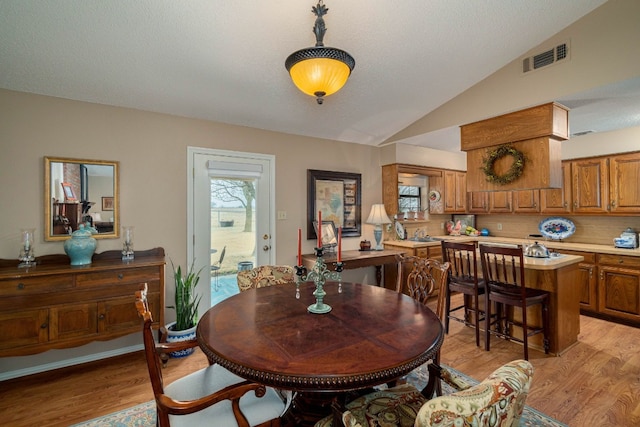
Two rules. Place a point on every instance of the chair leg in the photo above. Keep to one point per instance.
(477, 319)
(525, 332)
(487, 320)
(447, 307)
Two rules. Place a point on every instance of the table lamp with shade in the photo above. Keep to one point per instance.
(378, 216)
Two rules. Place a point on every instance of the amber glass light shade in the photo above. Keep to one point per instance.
(318, 76)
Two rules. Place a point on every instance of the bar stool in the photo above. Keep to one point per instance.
(463, 278)
(503, 272)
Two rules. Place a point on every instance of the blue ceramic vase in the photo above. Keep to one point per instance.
(81, 246)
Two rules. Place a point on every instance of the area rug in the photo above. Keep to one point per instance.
(145, 413)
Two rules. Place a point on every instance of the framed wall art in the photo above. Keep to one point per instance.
(107, 203)
(338, 196)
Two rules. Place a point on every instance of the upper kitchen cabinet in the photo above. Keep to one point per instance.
(500, 201)
(455, 191)
(396, 175)
(478, 202)
(558, 200)
(624, 183)
(590, 189)
(526, 201)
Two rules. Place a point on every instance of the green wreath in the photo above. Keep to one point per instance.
(514, 172)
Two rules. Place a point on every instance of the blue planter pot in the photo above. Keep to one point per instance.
(175, 336)
(80, 247)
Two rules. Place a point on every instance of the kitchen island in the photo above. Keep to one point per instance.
(558, 275)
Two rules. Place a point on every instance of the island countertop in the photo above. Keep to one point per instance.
(550, 244)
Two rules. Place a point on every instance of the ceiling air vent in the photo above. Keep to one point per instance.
(548, 57)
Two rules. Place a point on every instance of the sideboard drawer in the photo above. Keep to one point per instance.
(35, 285)
(114, 277)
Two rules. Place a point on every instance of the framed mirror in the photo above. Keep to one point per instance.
(80, 191)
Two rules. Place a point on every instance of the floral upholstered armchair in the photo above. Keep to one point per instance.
(496, 401)
(265, 275)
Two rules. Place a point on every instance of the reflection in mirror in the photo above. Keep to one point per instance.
(79, 192)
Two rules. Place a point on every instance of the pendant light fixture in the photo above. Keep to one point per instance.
(319, 71)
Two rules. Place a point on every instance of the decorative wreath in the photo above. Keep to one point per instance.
(512, 174)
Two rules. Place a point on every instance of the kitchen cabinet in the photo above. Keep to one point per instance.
(455, 191)
(391, 178)
(500, 201)
(588, 280)
(55, 305)
(590, 185)
(619, 287)
(558, 200)
(526, 201)
(478, 202)
(624, 176)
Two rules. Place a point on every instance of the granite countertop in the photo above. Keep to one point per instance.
(550, 244)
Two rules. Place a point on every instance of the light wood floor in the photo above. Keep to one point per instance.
(595, 383)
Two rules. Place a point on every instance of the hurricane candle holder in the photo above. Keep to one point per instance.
(127, 246)
(27, 256)
(319, 275)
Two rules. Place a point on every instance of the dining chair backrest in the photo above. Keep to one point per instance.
(265, 275)
(427, 275)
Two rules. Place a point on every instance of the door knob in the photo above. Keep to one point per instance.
(266, 248)
(266, 237)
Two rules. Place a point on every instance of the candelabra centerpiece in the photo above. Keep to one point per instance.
(319, 274)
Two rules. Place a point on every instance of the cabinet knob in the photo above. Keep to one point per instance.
(120, 276)
(101, 316)
(613, 203)
(44, 326)
(620, 261)
(20, 286)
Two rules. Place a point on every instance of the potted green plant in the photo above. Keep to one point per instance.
(186, 306)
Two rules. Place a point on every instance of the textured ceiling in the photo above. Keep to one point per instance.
(224, 60)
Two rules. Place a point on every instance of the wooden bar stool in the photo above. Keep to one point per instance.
(503, 273)
(463, 278)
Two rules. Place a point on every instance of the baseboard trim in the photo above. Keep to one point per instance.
(69, 362)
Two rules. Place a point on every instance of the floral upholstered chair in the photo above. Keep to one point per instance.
(496, 401)
(265, 275)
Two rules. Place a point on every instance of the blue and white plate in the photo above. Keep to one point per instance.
(557, 228)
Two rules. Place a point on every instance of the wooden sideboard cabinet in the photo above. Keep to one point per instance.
(55, 305)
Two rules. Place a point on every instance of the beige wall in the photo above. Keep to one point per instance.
(152, 151)
(603, 49)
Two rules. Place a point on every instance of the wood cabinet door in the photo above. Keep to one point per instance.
(500, 201)
(478, 202)
(526, 201)
(455, 191)
(619, 292)
(624, 183)
(73, 320)
(23, 328)
(588, 287)
(118, 314)
(558, 200)
(590, 189)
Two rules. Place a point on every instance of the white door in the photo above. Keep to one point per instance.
(231, 212)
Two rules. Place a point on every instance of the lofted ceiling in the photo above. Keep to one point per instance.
(224, 60)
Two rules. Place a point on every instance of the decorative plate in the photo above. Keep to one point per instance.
(557, 228)
(434, 196)
(400, 231)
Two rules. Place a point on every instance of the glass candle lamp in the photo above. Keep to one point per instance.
(27, 255)
(127, 245)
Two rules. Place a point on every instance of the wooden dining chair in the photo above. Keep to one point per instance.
(210, 396)
(265, 275)
(504, 276)
(463, 278)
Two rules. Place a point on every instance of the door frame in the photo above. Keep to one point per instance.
(232, 156)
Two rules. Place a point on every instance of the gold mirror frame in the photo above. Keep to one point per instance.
(56, 204)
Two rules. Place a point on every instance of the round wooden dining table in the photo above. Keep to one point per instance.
(371, 336)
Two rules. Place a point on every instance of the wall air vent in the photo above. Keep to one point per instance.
(548, 57)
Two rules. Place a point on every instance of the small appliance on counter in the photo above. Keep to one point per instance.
(627, 240)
